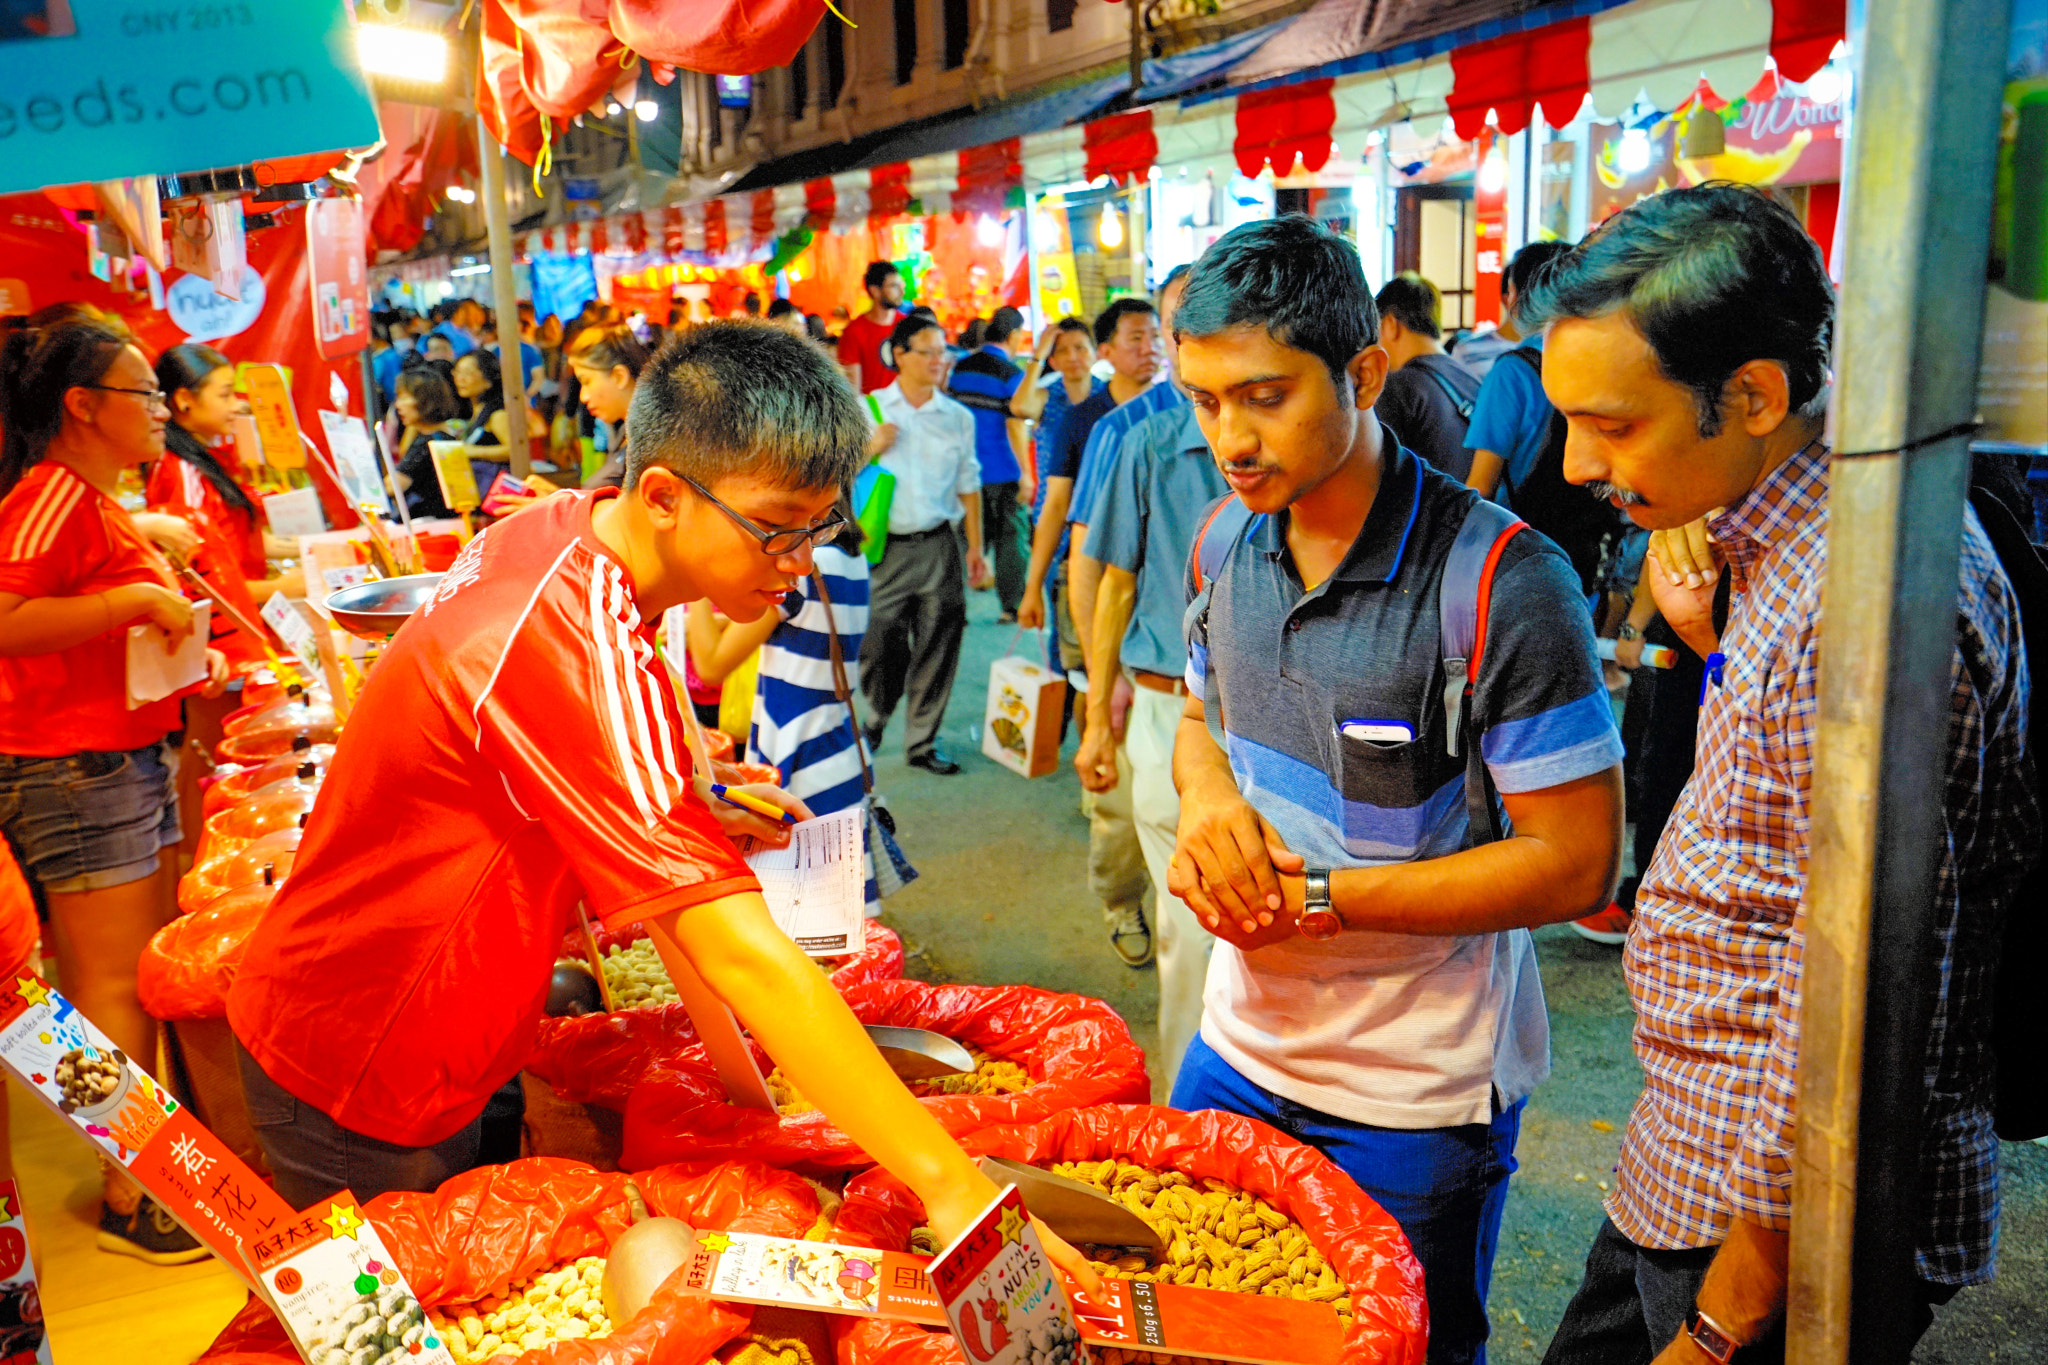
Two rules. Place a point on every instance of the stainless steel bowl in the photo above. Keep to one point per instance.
(375, 610)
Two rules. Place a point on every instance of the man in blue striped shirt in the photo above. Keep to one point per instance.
(1375, 991)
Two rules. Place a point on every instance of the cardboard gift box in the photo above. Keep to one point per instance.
(1020, 728)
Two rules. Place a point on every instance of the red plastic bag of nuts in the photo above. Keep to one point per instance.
(1044, 1052)
(600, 1058)
(488, 1230)
(187, 967)
(1357, 1239)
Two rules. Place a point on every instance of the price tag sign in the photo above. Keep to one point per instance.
(331, 1280)
(295, 630)
(277, 426)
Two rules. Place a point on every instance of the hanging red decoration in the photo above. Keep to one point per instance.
(1122, 146)
(714, 226)
(1283, 123)
(1514, 74)
(888, 192)
(987, 175)
(821, 200)
(1803, 34)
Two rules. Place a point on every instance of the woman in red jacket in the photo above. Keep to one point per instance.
(193, 481)
(86, 781)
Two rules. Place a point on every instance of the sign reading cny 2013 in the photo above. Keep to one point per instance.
(95, 90)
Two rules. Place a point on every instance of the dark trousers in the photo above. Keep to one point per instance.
(917, 612)
(1635, 1301)
(1003, 539)
(311, 1156)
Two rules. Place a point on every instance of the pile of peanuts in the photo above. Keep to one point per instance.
(86, 1081)
(1217, 1236)
(636, 976)
(989, 1077)
(563, 1304)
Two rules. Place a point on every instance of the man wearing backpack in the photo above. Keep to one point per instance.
(1350, 737)
(1429, 396)
(1517, 438)
(1688, 349)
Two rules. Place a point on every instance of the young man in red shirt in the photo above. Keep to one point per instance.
(519, 749)
(861, 344)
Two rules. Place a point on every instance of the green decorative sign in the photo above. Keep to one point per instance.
(101, 89)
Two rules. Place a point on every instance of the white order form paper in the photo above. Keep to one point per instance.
(814, 884)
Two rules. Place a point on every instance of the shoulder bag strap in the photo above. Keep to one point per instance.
(1464, 596)
(839, 683)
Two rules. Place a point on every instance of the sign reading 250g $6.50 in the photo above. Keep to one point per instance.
(99, 89)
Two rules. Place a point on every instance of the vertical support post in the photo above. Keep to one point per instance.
(1034, 311)
(1918, 206)
(504, 296)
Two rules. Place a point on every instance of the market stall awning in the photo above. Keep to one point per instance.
(1531, 55)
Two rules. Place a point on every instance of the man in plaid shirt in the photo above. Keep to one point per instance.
(1688, 347)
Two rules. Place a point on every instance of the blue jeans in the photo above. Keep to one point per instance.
(89, 821)
(1446, 1187)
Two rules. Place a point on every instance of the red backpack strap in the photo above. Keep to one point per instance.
(1200, 566)
(1464, 600)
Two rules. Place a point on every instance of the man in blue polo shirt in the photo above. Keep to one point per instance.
(983, 381)
(1159, 483)
(1374, 991)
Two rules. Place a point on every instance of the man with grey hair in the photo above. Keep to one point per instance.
(520, 750)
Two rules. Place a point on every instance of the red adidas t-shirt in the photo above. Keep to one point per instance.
(861, 344)
(61, 537)
(518, 749)
(229, 553)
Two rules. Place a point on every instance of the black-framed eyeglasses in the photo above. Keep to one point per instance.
(156, 398)
(774, 543)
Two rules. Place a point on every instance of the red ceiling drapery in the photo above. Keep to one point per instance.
(501, 99)
(763, 223)
(888, 192)
(1803, 33)
(569, 60)
(1287, 121)
(987, 175)
(714, 226)
(1122, 146)
(1513, 74)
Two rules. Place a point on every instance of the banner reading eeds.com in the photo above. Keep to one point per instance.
(97, 89)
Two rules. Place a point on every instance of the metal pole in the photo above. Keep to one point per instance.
(505, 296)
(1918, 210)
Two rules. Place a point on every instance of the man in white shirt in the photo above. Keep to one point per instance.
(917, 605)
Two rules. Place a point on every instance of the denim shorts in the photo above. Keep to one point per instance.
(85, 822)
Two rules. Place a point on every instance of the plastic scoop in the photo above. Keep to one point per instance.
(918, 1054)
(1080, 1213)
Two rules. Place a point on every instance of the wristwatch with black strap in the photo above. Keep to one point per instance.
(1319, 922)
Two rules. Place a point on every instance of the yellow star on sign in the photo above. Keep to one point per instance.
(32, 989)
(6, 1209)
(343, 1222)
(717, 1241)
(1011, 1225)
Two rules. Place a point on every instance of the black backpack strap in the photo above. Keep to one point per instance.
(1463, 404)
(1464, 596)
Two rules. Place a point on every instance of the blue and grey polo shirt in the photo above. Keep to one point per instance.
(1402, 1031)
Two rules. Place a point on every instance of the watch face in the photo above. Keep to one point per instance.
(1320, 925)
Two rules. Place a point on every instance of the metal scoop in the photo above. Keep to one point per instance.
(1080, 1213)
(917, 1054)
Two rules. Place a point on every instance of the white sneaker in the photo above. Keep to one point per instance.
(1130, 937)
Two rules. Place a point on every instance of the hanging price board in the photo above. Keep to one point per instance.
(277, 426)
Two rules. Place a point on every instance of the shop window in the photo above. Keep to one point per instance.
(835, 64)
(1059, 15)
(1554, 207)
(954, 14)
(906, 40)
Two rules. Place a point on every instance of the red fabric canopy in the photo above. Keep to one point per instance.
(1280, 124)
(501, 97)
(820, 201)
(714, 226)
(888, 192)
(1803, 33)
(764, 216)
(1513, 74)
(569, 60)
(987, 175)
(1122, 146)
